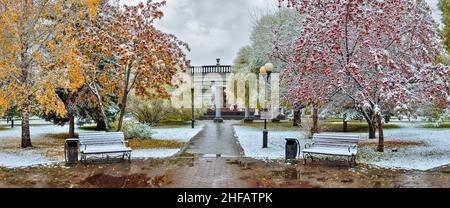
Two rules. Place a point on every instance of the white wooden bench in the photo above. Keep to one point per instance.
(332, 145)
(103, 143)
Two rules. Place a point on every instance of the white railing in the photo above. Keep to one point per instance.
(211, 69)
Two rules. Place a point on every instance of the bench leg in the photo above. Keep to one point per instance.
(305, 158)
(352, 161)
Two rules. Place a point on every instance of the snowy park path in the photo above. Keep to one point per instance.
(216, 138)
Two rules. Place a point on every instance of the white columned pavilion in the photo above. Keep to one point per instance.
(218, 103)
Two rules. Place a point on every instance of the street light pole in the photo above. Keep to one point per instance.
(266, 70)
(193, 113)
(192, 93)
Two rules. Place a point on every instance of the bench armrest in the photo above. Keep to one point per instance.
(309, 145)
(126, 143)
(352, 147)
(83, 144)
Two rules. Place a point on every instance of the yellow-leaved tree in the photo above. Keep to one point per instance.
(39, 54)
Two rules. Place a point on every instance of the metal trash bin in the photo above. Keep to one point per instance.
(292, 148)
(71, 151)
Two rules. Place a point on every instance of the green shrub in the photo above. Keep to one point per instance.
(153, 112)
(137, 131)
(184, 114)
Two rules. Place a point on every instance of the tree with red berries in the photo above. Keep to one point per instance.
(377, 53)
(140, 58)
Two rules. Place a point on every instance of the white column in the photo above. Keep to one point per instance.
(218, 101)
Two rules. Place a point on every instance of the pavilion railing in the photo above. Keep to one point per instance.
(211, 69)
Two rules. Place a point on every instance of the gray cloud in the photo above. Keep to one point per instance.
(216, 28)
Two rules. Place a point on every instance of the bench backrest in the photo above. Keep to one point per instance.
(335, 140)
(102, 138)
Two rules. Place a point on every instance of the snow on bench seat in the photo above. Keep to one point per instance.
(103, 143)
(334, 145)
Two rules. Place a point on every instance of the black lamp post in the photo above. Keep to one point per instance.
(192, 94)
(266, 70)
(192, 101)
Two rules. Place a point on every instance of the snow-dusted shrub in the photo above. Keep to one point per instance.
(137, 131)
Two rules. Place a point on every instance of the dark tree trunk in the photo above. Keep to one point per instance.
(345, 123)
(345, 126)
(103, 123)
(380, 135)
(247, 101)
(387, 118)
(297, 118)
(104, 118)
(100, 125)
(12, 123)
(315, 127)
(123, 107)
(372, 130)
(26, 139)
(71, 126)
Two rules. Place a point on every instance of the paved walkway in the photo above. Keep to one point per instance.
(216, 138)
(214, 147)
(209, 173)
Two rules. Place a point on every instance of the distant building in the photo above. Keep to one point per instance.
(207, 77)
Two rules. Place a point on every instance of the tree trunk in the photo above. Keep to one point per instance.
(100, 125)
(12, 123)
(345, 126)
(372, 130)
(297, 118)
(71, 126)
(123, 107)
(380, 135)
(315, 127)
(247, 100)
(26, 139)
(104, 119)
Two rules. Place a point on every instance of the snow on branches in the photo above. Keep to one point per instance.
(375, 53)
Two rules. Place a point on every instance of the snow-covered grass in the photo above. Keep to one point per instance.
(153, 153)
(181, 134)
(434, 153)
(33, 157)
(23, 159)
(250, 139)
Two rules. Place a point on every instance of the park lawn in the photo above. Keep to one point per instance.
(59, 139)
(88, 128)
(172, 124)
(432, 126)
(352, 126)
(161, 125)
(154, 144)
(3, 129)
(326, 126)
(270, 125)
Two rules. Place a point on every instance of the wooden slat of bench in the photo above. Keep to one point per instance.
(330, 151)
(106, 150)
(337, 138)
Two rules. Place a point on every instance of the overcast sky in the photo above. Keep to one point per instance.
(217, 28)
